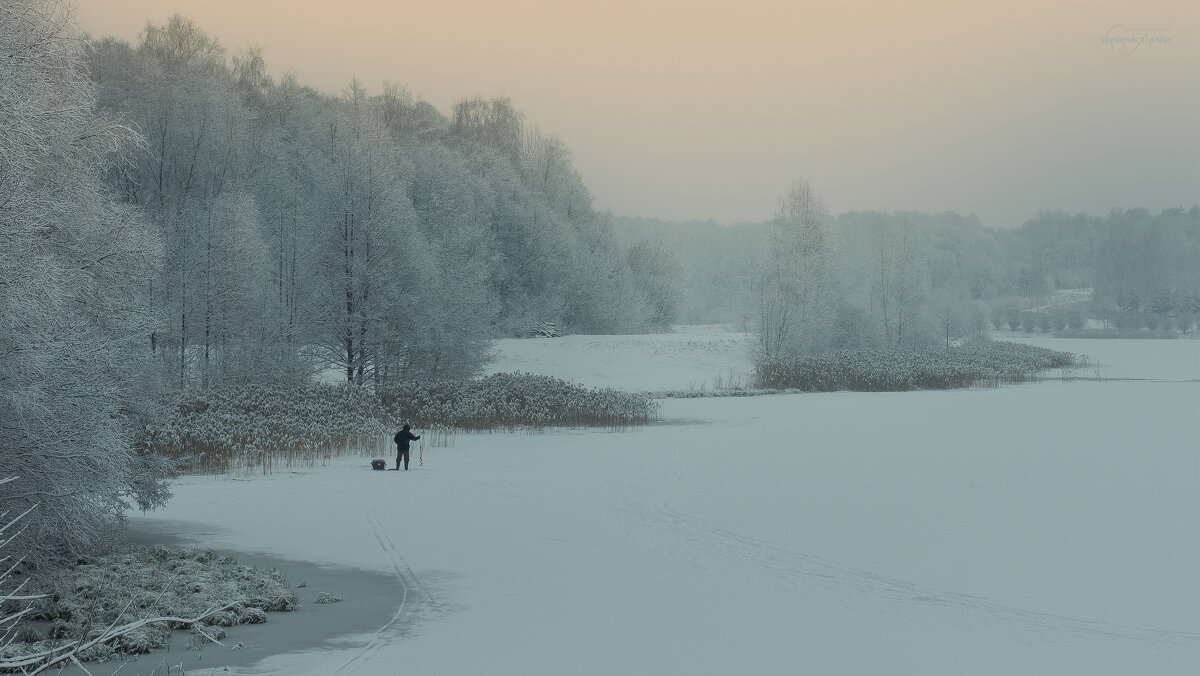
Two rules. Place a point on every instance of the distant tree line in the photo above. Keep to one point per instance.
(899, 280)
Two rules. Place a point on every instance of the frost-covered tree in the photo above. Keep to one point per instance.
(178, 95)
(283, 188)
(494, 123)
(658, 280)
(717, 264)
(241, 314)
(218, 181)
(1147, 263)
(365, 229)
(897, 289)
(75, 270)
(445, 297)
(797, 287)
(369, 231)
(598, 293)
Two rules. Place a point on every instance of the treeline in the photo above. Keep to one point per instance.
(365, 230)
(1138, 263)
(907, 279)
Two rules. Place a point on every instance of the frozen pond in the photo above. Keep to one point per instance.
(1177, 359)
(1046, 528)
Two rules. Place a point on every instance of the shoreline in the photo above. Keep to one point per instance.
(370, 602)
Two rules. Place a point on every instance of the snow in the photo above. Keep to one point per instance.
(690, 358)
(1113, 358)
(1046, 528)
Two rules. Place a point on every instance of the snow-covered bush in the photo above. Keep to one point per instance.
(204, 635)
(974, 363)
(1012, 317)
(174, 589)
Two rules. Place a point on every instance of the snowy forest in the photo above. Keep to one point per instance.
(363, 230)
(174, 219)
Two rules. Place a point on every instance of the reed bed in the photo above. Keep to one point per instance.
(514, 401)
(974, 364)
(254, 428)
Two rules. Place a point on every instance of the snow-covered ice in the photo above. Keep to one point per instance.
(1172, 360)
(692, 358)
(1046, 528)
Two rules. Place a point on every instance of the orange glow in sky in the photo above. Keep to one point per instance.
(700, 109)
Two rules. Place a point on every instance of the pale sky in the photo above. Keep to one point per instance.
(701, 109)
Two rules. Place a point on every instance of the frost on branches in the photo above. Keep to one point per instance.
(72, 269)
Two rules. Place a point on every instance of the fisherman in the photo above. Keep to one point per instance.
(402, 438)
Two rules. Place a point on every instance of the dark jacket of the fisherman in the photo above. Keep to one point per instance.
(403, 437)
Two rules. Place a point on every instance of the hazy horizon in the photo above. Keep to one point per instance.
(694, 111)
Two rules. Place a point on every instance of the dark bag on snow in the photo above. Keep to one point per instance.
(378, 464)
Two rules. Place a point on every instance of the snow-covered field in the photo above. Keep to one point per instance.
(1050, 528)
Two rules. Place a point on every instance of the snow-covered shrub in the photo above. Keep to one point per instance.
(973, 363)
(251, 615)
(326, 597)
(1013, 318)
(203, 634)
(154, 582)
(144, 639)
(99, 652)
(209, 631)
